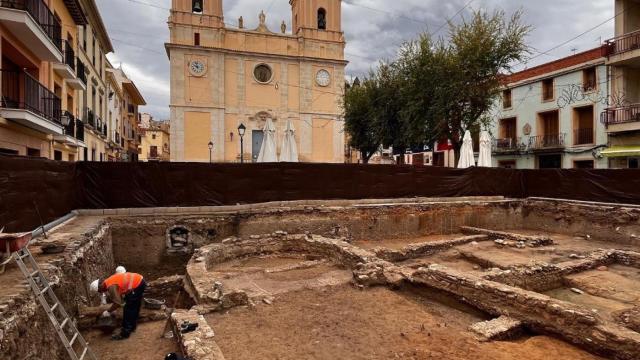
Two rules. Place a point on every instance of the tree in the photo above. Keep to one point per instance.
(358, 106)
(461, 78)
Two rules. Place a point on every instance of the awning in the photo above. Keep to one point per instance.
(621, 151)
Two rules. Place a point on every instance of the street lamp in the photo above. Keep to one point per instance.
(241, 130)
(210, 150)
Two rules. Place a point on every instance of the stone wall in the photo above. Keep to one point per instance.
(25, 329)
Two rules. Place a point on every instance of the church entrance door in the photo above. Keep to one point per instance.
(256, 144)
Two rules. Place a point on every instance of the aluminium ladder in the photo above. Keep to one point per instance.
(61, 321)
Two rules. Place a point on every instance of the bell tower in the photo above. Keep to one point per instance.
(200, 7)
(320, 15)
(209, 12)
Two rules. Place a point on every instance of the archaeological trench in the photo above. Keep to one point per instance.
(456, 278)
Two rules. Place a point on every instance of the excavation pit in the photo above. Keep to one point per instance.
(351, 279)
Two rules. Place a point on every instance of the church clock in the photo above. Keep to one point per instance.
(323, 78)
(197, 68)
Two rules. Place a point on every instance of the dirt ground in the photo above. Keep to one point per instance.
(345, 323)
(144, 344)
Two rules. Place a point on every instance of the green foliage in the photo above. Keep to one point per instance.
(436, 89)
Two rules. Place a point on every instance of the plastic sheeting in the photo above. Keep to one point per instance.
(58, 188)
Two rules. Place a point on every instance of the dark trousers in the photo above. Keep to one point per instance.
(132, 305)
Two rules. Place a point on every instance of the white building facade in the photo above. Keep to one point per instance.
(549, 115)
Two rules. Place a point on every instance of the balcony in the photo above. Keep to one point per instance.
(26, 101)
(547, 142)
(624, 118)
(583, 136)
(34, 25)
(67, 68)
(79, 130)
(89, 118)
(72, 131)
(623, 50)
(79, 80)
(508, 145)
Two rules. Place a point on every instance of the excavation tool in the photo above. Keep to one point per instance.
(71, 338)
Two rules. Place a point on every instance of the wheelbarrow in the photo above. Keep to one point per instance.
(10, 243)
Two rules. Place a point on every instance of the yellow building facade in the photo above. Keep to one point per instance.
(41, 81)
(223, 76)
(155, 139)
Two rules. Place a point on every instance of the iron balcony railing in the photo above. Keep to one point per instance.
(22, 91)
(80, 71)
(622, 44)
(507, 144)
(89, 117)
(42, 15)
(583, 136)
(549, 141)
(69, 55)
(620, 115)
(79, 130)
(70, 129)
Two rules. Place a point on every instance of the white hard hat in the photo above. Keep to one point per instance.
(94, 286)
(121, 270)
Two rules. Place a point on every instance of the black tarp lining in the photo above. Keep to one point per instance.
(57, 188)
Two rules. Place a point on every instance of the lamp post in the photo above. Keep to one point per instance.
(210, 150)
(241, 130)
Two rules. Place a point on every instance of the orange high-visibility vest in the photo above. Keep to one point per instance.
(125, 282)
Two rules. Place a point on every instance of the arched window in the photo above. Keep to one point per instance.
(322, 19)
(197, 6)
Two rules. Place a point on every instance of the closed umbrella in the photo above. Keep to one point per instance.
(289, 151)
(268, 150)
(466, 152)
(485, 150)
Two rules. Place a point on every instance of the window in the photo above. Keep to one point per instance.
(263, 73)
(9, 151)
(583, 164)
(506, 99)
(550, 162)
(57, 155)
(322, 19)
(633, 163)
(507, 164)
(547, 90)
(196, 39)
(33, 152)
(153, 137)
(84, 37)
(583, 120)
(589, 80)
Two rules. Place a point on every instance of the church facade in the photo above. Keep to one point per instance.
(224, 76)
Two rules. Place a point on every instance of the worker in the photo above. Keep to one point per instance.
(125, 290)
(121, 270)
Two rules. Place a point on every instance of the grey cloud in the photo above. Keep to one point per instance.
(139, 31)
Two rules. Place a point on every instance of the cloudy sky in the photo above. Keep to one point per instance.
(373, 28)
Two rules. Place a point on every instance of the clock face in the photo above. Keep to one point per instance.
(323, 78)
(197, 68)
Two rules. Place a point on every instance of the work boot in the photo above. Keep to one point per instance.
(120, 336)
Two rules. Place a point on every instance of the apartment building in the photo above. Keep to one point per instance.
(155, 140)
(622, 117)
(124, 102)
(41, 79)
(94, 45)
(548, 115)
